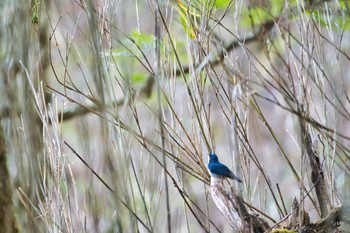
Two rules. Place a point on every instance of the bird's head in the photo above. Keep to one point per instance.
(213, 157)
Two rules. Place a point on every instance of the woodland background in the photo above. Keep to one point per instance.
(143, 90)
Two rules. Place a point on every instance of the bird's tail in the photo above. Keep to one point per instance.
(234, 177)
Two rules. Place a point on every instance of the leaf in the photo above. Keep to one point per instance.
(138, 78)
(222, 4)
(260, 14)
(343, 4)
(189, 15)
(255, 16)
(276, 7)
(341, 22)
(142, 39)
(35, 19)
(131, 46)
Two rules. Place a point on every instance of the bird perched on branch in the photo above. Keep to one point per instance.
(218, 170)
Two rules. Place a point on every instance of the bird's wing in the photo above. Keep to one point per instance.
(220, 169)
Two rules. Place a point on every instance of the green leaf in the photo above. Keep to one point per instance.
(343, 4)
(35, 16)
(221, 4)
(142, 39)
(260, 14)
(138, 78)
(35, 19)
(131, 46)
(335, 23)
(256, 16)
(276, 7)
(189, 15)
(188, 28)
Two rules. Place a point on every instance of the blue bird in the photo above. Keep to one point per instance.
(219, 170)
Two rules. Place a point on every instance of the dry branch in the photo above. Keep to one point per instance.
(7, 219)
(237, 215)
(146, 90)
(234, 210)
(317, 175)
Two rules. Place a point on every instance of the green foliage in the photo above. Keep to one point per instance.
(35, 16)
(35, 19)
(142, 39)
(221, 4)
(190, 13)
(138, 78)
(344, 4)
(189, 16)
(257, 15)
(133, 45)
(132, 49)
(181, 50)
(276, 7)
(335, 20)
(338, 21)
